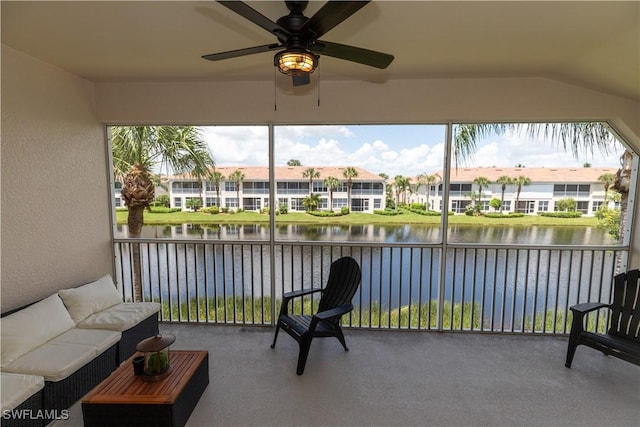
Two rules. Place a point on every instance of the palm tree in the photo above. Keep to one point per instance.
(401, 184)
(311, 202)
(217, 177)
(519, 181)
(429, 181)
(481, 181)
(237, 177)
(136, 151)
(159, 182)
(312, 174)
(200, 173)
(503, 180)
(608, 179)
(426, 180)
(388, 190)
(331, 183)
(422, 181)
(349, 173)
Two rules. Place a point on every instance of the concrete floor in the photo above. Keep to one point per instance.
(405, 379)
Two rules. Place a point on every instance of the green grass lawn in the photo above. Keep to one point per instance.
(406, 217)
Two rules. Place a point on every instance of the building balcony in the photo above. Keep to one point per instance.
(404, 379)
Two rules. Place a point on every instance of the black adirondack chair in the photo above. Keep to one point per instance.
(622, 339)
(343, 282)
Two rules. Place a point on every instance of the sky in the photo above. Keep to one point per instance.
(407, 150)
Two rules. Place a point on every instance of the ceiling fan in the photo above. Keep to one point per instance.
(299, 46)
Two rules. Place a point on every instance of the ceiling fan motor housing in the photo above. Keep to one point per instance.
(299, 38)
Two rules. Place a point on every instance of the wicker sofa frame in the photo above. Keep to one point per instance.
(33, 405)
(59, 395)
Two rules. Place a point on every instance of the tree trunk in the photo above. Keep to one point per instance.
(137, 192)
(134, 222)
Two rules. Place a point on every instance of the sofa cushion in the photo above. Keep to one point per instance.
(16, 388)
(31, 327)
(91, 298)
(100, 339)
(121, 317)
(53, 361)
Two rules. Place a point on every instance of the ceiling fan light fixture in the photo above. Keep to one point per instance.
(295, 61)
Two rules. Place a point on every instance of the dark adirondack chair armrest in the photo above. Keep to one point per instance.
(579, 311)
(294, 294)
(329, 314)
(334, 312)
(587, 307)
(300, 292)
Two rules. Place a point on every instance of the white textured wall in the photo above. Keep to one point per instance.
(55, 208)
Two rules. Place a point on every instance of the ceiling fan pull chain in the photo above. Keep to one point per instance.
(275, 92)
(318, 87)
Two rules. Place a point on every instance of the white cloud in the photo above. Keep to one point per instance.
(238, 145)
(382, 149)
(300, 132)
(380, 146)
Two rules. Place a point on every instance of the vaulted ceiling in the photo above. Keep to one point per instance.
(590, 44)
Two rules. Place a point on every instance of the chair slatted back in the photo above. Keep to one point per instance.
(625, 315)
(343, 282)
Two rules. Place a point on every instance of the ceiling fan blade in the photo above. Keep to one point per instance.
(256, 17)
(241, 52)
(329, 15)
(352, 53)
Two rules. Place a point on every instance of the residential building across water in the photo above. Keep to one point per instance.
(524, 190)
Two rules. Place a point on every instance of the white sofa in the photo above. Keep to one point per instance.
(73, 339)
(21, 397)
(98, 305)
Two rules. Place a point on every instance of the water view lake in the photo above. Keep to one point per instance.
(405, 233)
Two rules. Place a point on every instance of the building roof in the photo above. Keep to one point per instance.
(552, 174)
(286, 173)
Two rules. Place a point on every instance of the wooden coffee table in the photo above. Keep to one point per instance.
(124, 399)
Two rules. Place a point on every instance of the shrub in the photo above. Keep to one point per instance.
(417, 207)
(387, 212)
(566, 205)
(162, 200)
(194, 204)
(472, 210)
(213, 210)
(424, 212)
(390, 203)
(283, 209)
(507, 215)
(162, 209)
(324, 213)
(609, 220)
(225, 210)
(344, 210)
(574, 214)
